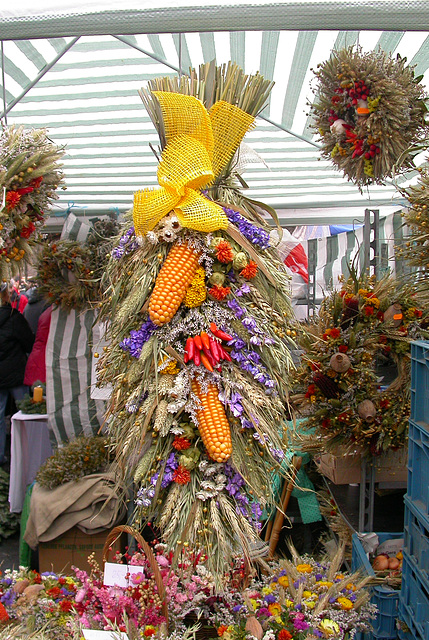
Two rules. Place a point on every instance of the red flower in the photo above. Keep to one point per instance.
(380, 316)
(181, 475)
(24, 190)
(284, 634)
(3, 613)
(66, 605)
(27, 231)
(12, 199)
(37, 578)
(343, 348)
(418, 313)
(384, 403)
(311, 389)
(180, 443)
(368, 310)
(224, 252)
(250, 270)
(335, 333)
(54, 592)
(219, 293)
(149, 631)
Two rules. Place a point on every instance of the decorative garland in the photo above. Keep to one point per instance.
(198, 318)
(369, 109)
(69, 273)
(364, 324)
(29, 177)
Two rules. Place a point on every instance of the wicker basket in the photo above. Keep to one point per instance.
(111, 539)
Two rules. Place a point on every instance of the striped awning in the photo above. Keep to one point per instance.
(84, 89)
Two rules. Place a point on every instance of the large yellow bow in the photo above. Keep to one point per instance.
(199, 145)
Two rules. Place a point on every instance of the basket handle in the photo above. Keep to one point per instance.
(114, 534)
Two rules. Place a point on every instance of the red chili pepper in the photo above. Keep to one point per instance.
(198, 342)
(205, 339)
(213, 327)
(189, 350)
(214, 349)
(197, 357)
(206, 362)
(224, 355)
(222, 335)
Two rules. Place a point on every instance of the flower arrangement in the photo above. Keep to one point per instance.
(80, 457)
(301, 599)
(369, 109)
(200, 333)
(29, 177)
(38, 601)
(414, 249)
(360, 327)
(69, 273)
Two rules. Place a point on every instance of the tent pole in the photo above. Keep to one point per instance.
(3, 84)
(40, 75)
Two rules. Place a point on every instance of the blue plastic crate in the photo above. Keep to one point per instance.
(420, 381)
(414, 600)
(385, 598)
(418, 466)
(416, 538)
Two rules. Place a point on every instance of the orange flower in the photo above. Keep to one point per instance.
(181, 475)
(181, 444)
(250, 270)
(219, 293)
(12, 199)
(284, 634)
(224, 252)
(221, 630)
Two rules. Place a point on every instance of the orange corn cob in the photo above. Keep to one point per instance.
(213, 424)
(171, 283)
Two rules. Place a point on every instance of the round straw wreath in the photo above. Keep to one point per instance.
(369, 109)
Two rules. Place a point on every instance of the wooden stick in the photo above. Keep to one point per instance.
(280, 515)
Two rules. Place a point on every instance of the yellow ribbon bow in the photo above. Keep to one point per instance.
(199, 145)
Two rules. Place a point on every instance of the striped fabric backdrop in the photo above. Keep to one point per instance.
(71, 410)
(334, 253)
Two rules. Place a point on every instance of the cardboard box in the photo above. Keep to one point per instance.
(390, 467)
(73, 548)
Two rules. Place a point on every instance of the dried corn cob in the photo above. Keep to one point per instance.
(213, 424)
(170, 287)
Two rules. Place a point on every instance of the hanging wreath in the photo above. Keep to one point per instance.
(369, 109)
(355, 375)
(69, 273)
(29, 177)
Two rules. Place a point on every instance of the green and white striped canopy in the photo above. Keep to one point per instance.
(76, 70)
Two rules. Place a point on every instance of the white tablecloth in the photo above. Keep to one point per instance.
(30, 446)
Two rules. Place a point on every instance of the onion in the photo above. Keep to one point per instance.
(393, 563)
(380, 563)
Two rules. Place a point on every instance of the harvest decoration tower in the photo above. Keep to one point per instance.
(199, 327)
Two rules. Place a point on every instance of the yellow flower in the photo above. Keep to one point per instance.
(351, 587)
(283, 581)
(170, 367)
(329, 627)
(254, 604)
(307, 594)
(304, 568)
(290, 603)
(267, 590)
(324, 583)
(274, 608)
(310, 604)
(196, 292)
(345, 603)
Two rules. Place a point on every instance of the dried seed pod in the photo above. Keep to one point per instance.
(394, 314)
(254, 627)
(367, 411)
(340, 362)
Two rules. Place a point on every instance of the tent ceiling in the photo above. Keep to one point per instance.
(83, 88)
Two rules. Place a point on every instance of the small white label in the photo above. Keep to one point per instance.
(120, 574)
(98, 634)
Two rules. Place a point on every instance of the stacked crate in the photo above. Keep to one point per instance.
(414, 596)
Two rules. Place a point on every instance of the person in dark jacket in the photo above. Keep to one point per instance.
(34, 308)
(16, 341)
